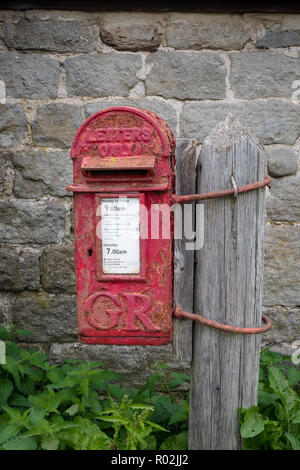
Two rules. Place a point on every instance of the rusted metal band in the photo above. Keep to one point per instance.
(178, 312)
(226, 192)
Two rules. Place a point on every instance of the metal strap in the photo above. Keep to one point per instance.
(178, 312)
(226, 192)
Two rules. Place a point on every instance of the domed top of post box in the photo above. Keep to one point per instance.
(119, 142)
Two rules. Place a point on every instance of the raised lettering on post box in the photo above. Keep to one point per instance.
(123, 161)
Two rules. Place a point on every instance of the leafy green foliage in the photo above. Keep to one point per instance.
(81, 406)
(177, 441)
(44, 406)
(275, 423)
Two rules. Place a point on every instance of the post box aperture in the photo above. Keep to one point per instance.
(123, 162)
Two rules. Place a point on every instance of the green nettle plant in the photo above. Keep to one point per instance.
(78, 406)
(275, 423)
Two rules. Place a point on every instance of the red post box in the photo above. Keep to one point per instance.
(123, 160)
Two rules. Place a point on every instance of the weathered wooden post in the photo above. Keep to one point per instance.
(227, 288)
(185, 171)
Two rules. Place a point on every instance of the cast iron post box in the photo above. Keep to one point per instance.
(123, 160)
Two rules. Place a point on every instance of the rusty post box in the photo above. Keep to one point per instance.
(123, 161)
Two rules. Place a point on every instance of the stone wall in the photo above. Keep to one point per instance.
(192, 69)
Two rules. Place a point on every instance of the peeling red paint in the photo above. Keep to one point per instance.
(122, 151)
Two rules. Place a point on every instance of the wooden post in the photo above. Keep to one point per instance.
(185, 171)
(227, 288)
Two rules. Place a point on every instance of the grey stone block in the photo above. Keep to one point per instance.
(285, 349)
(19, 269)
(131, 34)
(279, 39)
(72, 219)
(199, 31)
(134, 362)
(56, 124)
(33, 76)
(283, 200)
(156, 105)
(186, 75)
(262, 74)
(7, 300)
(49, 317)
(285, 324)
(13, 125)
(281, 162)
(42, 173)
(50, 35)
(7, 173)
(272, 122)
(110, 74)
(282, 268)
(58, 269)
(24, 221)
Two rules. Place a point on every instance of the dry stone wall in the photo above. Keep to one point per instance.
(57, 68)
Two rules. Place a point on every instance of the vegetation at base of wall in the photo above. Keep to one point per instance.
(78, 406)
(274, 424)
